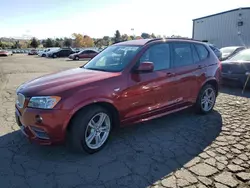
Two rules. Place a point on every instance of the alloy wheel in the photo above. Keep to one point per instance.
(208, 99)
(98, 130)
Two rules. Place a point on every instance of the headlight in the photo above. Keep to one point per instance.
(46, 102)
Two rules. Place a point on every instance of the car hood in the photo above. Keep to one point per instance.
(57, 83)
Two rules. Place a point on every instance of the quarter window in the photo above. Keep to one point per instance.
(183, 54)
(202, 51)
(158, 54)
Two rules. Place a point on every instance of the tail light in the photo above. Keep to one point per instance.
(220, 65)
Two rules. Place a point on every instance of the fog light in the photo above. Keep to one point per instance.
(39, 119)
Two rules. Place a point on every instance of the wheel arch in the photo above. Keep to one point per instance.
(214, 83)
(105, 104)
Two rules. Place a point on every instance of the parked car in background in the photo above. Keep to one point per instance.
(32, 52)
(62, 52)
(84, 54)
(43, 53)
(5, 53)
(149, 79)
(230, 51)
(216, 50)
(236, 68)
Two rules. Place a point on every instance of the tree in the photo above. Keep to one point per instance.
(153, 36)
(106, 41)
(145, 35)
(132, 37)
(17, 44)
(34, 43)
(79, 40)
(57, 44)
(138, 37)
(67, 42)
(48, 43)
(129, 38)
(88, 42)
(117, 37)
(24, 44)
(98, 42)
(124, 37)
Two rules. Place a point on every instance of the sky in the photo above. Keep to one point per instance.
(98, 18)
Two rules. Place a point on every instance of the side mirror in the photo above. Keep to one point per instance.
(145, 67)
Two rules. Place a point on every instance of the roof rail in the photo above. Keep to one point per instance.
(184, 38)
(155, 39)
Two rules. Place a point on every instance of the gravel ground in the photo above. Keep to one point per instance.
(179, 150)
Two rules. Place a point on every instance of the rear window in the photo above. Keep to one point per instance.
(202, 51)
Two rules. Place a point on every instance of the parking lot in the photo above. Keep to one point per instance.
(179, 150)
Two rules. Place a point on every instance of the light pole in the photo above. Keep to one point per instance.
(132, 29)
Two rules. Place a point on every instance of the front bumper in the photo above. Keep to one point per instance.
(46, 132)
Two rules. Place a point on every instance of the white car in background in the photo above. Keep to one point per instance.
(44, 52)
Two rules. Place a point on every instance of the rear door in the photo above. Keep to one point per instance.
(60, 53)
(187, 70)
(67, 53)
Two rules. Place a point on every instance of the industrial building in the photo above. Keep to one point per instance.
(229, 28)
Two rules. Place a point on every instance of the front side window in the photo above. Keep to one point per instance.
(159, 55)
(113, 58)
(183, 54)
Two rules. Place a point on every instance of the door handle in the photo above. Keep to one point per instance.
(200, 66)
(170, 74)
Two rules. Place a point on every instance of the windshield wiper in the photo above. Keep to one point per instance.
(97, 69)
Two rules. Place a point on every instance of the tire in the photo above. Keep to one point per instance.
(76, 58)
(43, 55)
(54, 56)
(80, 130)
(202, 101)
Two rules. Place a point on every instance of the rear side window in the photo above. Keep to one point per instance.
(182, 54)
(202, 51)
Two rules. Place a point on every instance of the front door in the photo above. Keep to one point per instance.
(152, 91)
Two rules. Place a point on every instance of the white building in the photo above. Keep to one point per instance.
(230, 28)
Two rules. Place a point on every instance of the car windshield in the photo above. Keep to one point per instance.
(243, 55)
(113, 59)
(228, 49)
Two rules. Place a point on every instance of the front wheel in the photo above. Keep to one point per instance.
(54, 56)
(90, 129)
(206, 99)
(76, 58)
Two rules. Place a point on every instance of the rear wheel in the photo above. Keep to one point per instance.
(90, 129)
(54, 56)
(206, 99)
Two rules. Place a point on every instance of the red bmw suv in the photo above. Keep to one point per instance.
(126, 83)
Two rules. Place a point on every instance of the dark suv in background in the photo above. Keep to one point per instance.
(62, 52)
(128, 82)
